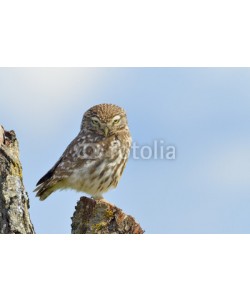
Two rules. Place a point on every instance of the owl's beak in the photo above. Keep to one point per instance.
(106, 131)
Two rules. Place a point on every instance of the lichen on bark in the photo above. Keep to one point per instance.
(14, 200)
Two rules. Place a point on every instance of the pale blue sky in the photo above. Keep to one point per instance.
(204, 112)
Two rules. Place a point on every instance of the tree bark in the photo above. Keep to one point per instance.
(100, 217)
(14, 201)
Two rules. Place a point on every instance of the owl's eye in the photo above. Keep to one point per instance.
(95, 122)
(116, 121)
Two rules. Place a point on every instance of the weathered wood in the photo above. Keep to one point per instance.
(100, 217)
(14, 201)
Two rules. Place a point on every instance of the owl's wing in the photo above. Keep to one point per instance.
(49, 174)
(62, 169)
(64, 158)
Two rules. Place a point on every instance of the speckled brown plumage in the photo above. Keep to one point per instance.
(94, 161)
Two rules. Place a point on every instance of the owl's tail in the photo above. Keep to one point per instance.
(44, 190)
(46, 185)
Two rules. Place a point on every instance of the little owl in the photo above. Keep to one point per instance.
(94, 161)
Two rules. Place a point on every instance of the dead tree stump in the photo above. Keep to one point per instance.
(100, 217)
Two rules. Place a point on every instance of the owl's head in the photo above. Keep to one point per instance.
(104, 119)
